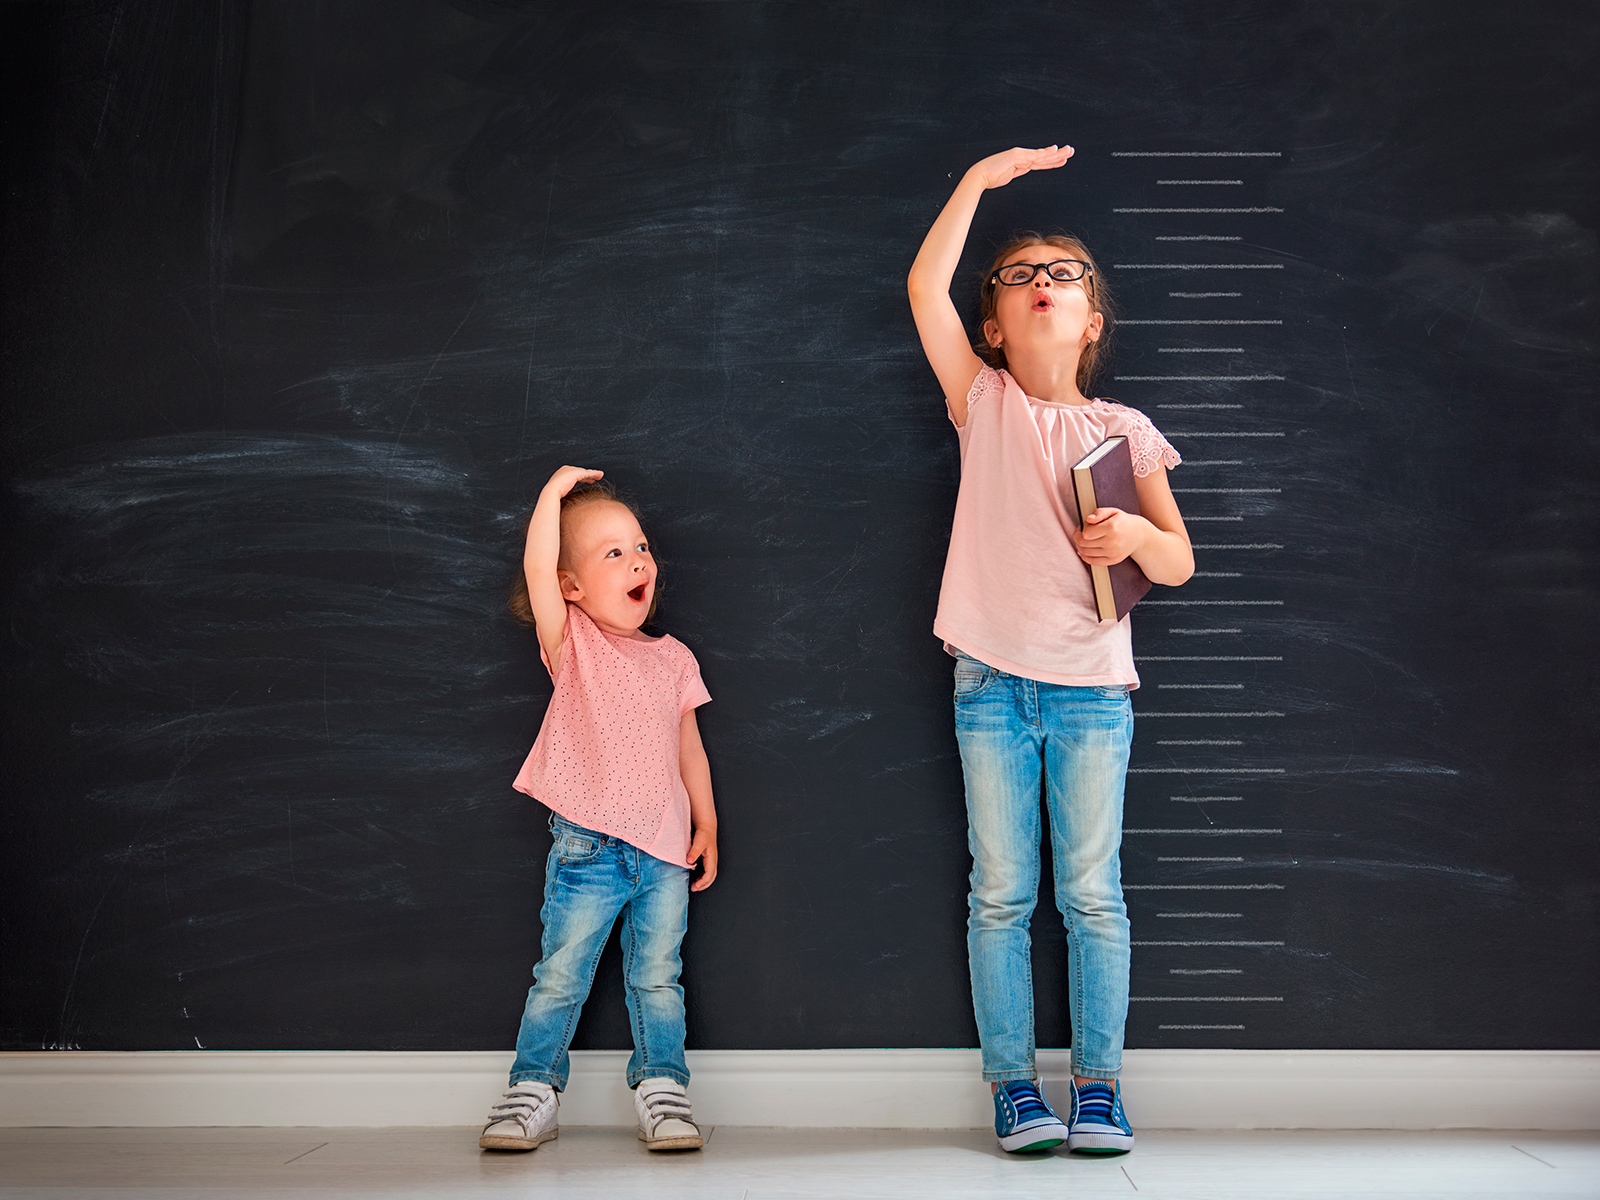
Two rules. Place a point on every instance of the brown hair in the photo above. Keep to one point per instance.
(1094, 352)
(581, 496)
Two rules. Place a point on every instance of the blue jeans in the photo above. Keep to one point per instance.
(589, 879)
(1015, 733)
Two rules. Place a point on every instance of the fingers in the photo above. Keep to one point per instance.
(708, 868)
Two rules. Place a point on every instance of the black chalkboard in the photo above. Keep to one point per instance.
(305, 300)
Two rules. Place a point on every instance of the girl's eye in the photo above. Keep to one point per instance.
(613, 553)
(644, 547)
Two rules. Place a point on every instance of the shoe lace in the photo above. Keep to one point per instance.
(1025, 1098)
(519, 1103)
(1094, 1102)
(664, 1106)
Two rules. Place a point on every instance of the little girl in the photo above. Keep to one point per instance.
(1041, 685)
(619, 763)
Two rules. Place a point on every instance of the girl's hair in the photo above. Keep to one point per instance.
(1094, 352)
(581, 496)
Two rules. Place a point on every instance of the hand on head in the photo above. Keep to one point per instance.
(567, 478)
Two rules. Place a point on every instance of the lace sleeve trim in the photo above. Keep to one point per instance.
(1148, 448)
(987, 381)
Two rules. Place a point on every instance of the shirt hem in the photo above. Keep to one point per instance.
(955, 641)
(602, 829)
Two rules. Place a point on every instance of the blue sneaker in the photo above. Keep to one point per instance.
(1023, 1120)
(1098, 1125)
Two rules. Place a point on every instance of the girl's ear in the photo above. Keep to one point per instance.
(1096, 323)
(568, 583)
(991, 333)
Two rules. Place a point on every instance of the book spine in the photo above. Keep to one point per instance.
(1105, 602)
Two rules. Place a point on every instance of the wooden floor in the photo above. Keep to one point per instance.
(745, 1163)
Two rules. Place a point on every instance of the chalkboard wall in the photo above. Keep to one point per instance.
(305, 300)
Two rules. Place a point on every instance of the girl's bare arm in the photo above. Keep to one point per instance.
(944, 338)
(696, 771)
(539, 557)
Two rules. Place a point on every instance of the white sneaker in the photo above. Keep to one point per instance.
(665, 1120)
(524, 1118)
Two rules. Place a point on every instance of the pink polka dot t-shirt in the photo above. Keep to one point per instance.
(607, 754)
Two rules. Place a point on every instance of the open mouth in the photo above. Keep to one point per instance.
(637, 594)
(1042, 302)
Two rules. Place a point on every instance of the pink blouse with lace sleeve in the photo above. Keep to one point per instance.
(1015, 593)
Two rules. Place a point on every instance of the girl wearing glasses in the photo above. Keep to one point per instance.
(1041, 685)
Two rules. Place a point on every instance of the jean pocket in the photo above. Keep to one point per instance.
(972, 677)
(573, 843)
(1112, 691)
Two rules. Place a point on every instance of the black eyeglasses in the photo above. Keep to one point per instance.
(1063, 270)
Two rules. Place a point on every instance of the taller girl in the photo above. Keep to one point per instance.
(1041, 685)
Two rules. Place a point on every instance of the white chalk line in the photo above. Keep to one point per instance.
(1205, 770)
(1198, 266)
(1201, 916)
(1197, 210)
(1207, 832)
(1199, 1027)
(1215, 603)
(1203, 887)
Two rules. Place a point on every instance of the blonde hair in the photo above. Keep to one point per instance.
(1094, 351)
(584, 495)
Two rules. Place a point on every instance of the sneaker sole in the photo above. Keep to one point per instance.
(500, 1141)
(1032, 1139)
(1099, 1143)
(686, 1142)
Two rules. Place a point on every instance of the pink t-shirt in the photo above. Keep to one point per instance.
(607, 754)
(1015, 593)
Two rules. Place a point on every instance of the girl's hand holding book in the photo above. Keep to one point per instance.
(1110, 535)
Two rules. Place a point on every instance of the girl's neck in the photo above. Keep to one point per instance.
(1053, 378)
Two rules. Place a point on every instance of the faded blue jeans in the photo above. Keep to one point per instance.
(1015, 734)
(589, 879)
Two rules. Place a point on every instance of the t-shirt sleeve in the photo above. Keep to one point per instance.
(987, 382)
(691, 688)
(1148, 448)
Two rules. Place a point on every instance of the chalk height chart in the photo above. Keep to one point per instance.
(1201, 352)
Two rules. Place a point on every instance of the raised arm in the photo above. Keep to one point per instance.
(539, 559)
(944, 338)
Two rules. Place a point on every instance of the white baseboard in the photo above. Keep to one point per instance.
(906, 1089)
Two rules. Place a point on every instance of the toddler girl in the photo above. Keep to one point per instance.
(1041, 685)
(619, 763)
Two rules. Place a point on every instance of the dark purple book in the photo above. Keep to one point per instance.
(1103, 478)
